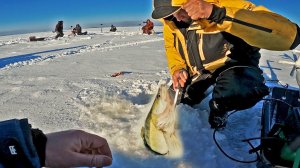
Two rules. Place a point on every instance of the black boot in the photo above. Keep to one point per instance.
(217, 118)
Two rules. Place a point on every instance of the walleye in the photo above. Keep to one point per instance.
(159, 131)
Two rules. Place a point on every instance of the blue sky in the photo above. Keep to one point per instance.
(15, 14)
(287, 8)
(38, 14)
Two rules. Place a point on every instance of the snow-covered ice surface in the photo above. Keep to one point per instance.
(66, 84)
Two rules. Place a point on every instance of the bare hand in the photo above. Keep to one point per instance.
(179, 78)
(198, 9)
(75, 148)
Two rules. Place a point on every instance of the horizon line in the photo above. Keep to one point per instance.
(88, 25)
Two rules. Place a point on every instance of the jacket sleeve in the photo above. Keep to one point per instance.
(256, 25)
(16, 145)
(175, 61)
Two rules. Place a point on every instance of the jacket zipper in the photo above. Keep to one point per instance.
(248, 24)
(193, 56)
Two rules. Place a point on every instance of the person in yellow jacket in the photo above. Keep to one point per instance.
(217, 42)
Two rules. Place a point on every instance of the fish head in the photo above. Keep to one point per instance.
(163, 99)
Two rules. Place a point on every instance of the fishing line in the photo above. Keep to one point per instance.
(247, 140)
(279, 100)
(176, 98)
(286, 85)
(230, 157)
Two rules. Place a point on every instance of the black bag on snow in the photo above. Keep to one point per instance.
(280, 126)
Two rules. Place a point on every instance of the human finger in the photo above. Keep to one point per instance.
(175, 79)
(175, 84)
(182, 83)
(183, 76)
(95, 142)
(189, 5)
(92, 160)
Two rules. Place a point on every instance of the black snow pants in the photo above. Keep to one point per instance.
(235, 88)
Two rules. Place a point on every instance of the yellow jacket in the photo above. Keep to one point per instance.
(256, 25)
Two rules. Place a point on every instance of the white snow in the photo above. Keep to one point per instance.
(67, 84)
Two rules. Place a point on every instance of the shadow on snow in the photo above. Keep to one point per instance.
(26, 57)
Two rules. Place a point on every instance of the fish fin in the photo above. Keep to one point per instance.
(167, 121)
(174, 145)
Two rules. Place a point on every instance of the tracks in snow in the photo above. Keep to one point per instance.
(103, 47)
